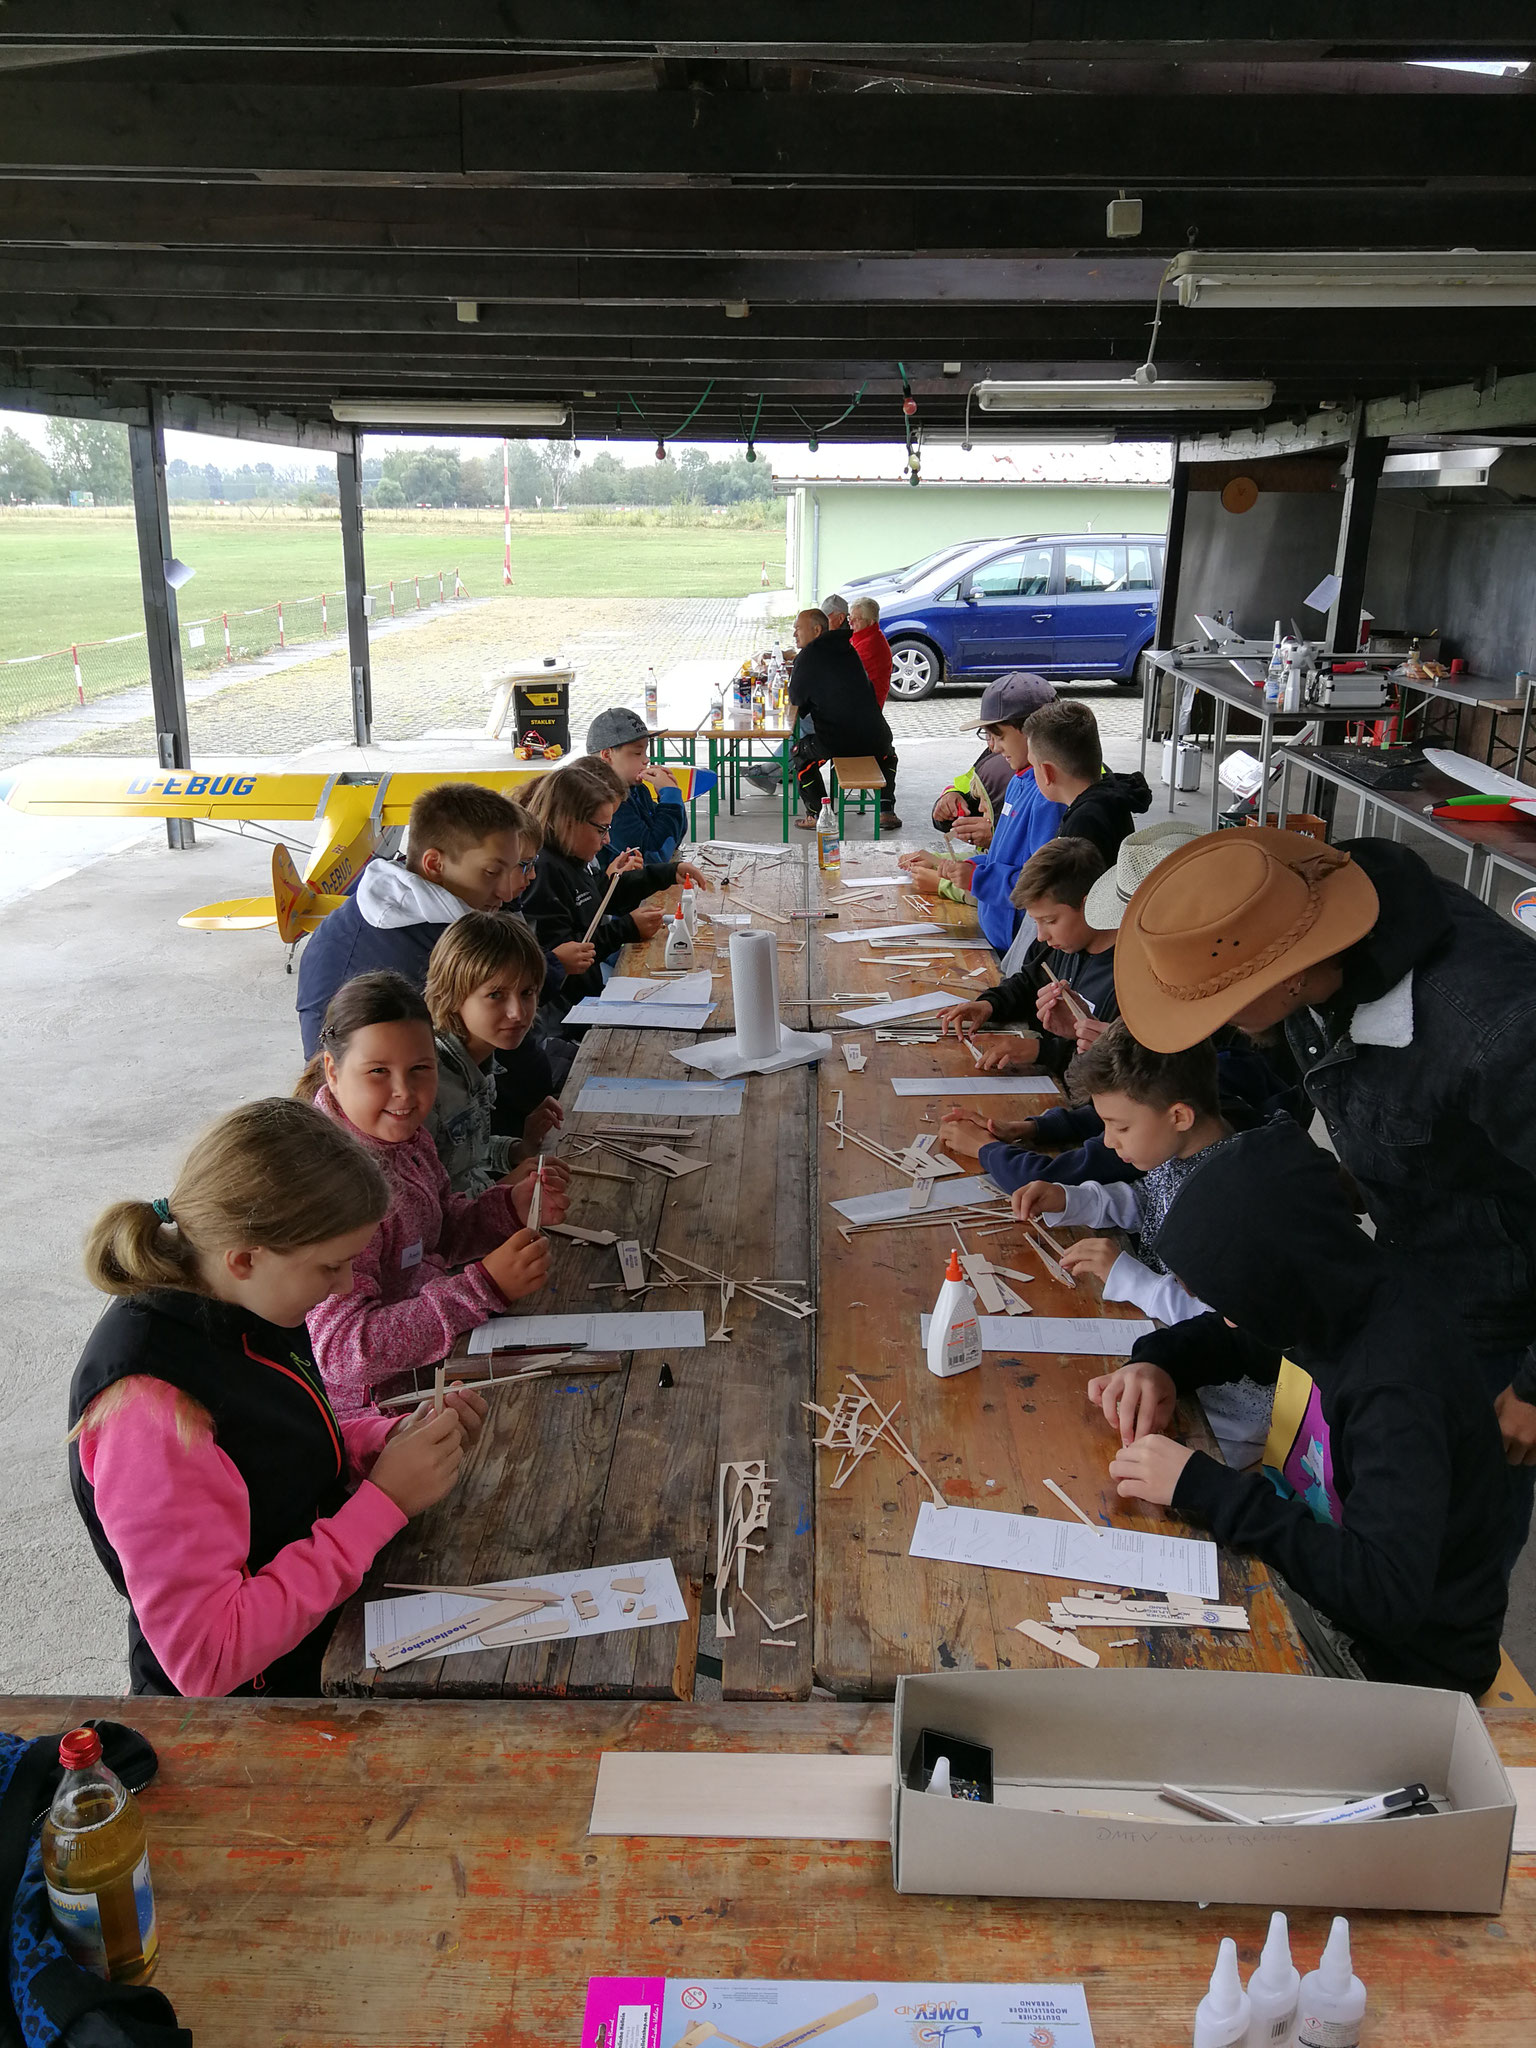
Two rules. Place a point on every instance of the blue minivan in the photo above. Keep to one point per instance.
(1066, 605)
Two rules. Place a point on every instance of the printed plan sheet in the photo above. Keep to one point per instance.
(683, 1330)
(1066, 1550)
(1077, 1336)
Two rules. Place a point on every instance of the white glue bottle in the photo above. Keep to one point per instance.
(690, 907)
(679, 951)
(1222, 2016)
(1274, 1990)
(954, 1335)
(1332, 1997)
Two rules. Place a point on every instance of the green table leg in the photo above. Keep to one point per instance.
(784, 784)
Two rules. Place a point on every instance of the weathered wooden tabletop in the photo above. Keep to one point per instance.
(392, 1874)
(989, 1438)
(573, 1471)
(768, 885)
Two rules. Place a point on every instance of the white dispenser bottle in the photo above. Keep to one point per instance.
(1274, 1990)
(1332, 1997)
(690, 907)
(679, 951)
(1222, 2016)
(954, 1335)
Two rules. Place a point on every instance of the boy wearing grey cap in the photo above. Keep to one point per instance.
(652, 816)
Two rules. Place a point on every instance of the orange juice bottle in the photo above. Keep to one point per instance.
(96, 1862)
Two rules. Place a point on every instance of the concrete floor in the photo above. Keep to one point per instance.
(125, 1035)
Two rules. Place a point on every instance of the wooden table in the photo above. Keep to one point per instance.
(572, 1472)
(392, 1874)
(989, 1438)
(770, 888)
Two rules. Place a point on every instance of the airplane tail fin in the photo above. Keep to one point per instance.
(298, 908)
(238, 914)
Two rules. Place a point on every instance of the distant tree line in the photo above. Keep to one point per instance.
(89, 458)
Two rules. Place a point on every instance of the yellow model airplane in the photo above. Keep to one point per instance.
(353, 810)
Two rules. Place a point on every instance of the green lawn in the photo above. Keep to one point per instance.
(72, 576)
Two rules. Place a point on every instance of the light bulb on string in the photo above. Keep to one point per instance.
(661, 451)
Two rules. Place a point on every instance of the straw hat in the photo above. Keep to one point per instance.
(1226, 918)
(1106, 901)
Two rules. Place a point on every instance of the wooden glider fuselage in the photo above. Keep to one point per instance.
(352, 810)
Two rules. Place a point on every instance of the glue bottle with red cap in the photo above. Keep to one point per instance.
(954, 1335)
(96, 1864)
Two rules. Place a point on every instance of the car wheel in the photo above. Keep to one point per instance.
(914, 670)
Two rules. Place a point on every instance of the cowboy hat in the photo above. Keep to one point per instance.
(1106, 901)
(1226, 918)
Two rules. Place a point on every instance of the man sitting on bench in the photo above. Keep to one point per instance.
(838, 717)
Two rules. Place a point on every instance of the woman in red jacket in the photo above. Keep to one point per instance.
(871, 645)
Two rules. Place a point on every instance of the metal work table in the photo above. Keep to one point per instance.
(1474, 693)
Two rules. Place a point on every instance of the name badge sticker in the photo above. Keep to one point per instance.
(410, 1256)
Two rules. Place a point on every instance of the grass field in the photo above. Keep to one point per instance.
(70, 576)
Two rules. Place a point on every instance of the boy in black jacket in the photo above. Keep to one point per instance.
(1068, 760)
(1383, 1501)
(575, 806)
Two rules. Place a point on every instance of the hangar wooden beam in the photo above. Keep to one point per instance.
(152, 525)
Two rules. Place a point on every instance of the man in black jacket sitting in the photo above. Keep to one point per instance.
(838, 716)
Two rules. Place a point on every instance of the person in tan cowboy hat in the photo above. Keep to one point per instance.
(1410, 1009)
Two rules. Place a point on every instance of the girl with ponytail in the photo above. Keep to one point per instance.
(224, 1498)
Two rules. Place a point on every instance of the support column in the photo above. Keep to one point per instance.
(152, 522)
(1362, 473)
(349, 480)
(1173, 554)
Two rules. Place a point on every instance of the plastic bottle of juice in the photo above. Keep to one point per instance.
(96, 1862)
(829, 853)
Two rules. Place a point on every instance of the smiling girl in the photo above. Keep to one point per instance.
(483, 992)
(224, 1498)
(376, 1076)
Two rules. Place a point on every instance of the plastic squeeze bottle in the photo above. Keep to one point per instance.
(679, 942)
(1332, 1997)
(1274, 1990)
(829, 853)
(96, 1863)
(954, 1335)
(689, 906)
(1222, 2016)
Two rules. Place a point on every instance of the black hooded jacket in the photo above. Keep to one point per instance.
(1106, 811)
(829, 688)
(1440, 1132)
(1413, 1574)
(563, 902)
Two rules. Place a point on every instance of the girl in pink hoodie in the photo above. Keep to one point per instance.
(223, 1497)
(376, 1075)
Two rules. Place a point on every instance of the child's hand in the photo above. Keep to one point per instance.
(1054, 1012)
(1149, 1470)
(538, 1123)
(912, 862)
(963, 1018)
(1138, 1399)
(648, 918)
(974, 831)
(658, 778)
(576, 956)
(521, 1265)
(962, 1134)
(945, 810)
(630, 859)
(557, 1179)
(1088, 1029)
(1008, 1055)
(1021, 1133)
(1038, 1198)
(420, 1461)
(687, 872)
(470, 1408)
(1095, 1255)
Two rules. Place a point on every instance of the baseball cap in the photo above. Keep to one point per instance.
(619, 727)
(1011, 698)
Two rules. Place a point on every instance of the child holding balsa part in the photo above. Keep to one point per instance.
(483, 984)
(376, 1076)
(228, 1504)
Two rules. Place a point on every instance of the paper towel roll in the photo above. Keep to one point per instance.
(755, 991)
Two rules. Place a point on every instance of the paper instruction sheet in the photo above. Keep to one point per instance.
(638, 988)
(617, 1094)
(658, 2012)
(679, 1330)
(978, 1084)
(1066, 1550)
(947, 1194)
(905, 1006)
(631, 1016)
(386, 1621)
(1077, 1336)
(886, 931)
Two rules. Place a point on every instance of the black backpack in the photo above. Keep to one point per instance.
(48, 2000)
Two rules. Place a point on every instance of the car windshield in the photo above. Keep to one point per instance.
(916, 571)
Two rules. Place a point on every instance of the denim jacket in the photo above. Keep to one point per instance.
(1424, 1069)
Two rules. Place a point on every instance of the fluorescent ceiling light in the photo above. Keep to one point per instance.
(1125, 394)
(1002, 436)
(1512, 67)
(1354, 277)
(490, 414)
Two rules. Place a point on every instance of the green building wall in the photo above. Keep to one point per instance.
(861, 529)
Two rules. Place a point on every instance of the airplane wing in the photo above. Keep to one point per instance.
(402, 789)
(1478, 775)
(104, 788)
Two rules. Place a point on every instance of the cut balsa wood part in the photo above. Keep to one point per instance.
(853, 1056)
(632, 1582)
(850, 1432)
(922, 1192)
(580, 1236)
(536, 1206)
(741, 1513)
(597, 915)
(1062, 1644)
(1047, 1249)
(631, 1265)
(428, 1642)
(439, 1388)
(597, 1173)
(1069, 1503)
(646, 1614)
(534, 1596)
(511, 1633)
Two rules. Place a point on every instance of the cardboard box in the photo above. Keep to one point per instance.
(1262, 1743)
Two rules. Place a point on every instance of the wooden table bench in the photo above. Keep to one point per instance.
(990, 1438)
(386, 1874)
(857, 776)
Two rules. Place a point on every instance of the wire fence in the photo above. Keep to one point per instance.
(73, 676)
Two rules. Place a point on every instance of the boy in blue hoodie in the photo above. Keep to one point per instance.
(652, 817)
(1025, 820)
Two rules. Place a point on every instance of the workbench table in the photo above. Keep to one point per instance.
(391, 1874)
